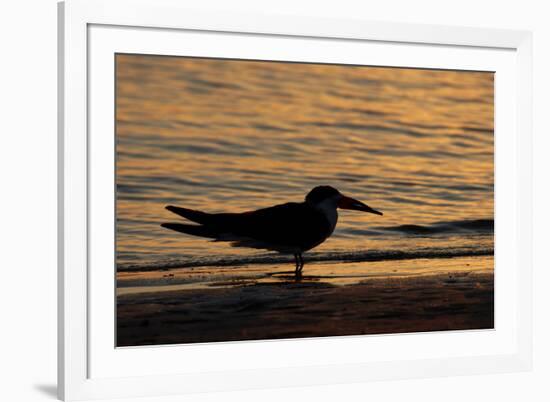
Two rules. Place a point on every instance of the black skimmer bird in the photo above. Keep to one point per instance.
(290, 228)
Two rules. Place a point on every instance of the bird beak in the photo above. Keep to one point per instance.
(353, 204)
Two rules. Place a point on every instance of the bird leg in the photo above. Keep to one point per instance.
(299, 265)
(297, 270)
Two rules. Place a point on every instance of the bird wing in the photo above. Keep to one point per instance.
(292, 225)
(281, 227)
(191, 214)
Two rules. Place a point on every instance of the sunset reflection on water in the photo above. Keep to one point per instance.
(229, 135)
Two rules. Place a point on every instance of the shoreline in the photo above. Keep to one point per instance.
(341, 273)
(352, 256)
(458, 300)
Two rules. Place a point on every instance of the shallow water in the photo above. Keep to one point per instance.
(337, 273)
(221, 135)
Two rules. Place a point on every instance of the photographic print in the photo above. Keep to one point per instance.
(264, 200)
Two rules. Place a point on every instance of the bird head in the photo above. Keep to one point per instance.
(327, 196)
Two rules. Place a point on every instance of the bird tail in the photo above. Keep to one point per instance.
(193, 215)
(195, 230)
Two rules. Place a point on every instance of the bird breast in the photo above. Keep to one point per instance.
(330, 212)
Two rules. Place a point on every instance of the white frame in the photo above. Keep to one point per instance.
(75, 17)
(104, 42)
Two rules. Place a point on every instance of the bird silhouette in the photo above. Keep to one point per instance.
(291, 228)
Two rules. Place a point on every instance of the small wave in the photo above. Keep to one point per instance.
(477, 226)
(327, 257)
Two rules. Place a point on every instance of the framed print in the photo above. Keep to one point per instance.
(258, 201)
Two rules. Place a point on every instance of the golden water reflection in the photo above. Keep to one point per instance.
(227, 135)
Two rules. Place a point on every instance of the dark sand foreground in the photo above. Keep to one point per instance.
(307, 309)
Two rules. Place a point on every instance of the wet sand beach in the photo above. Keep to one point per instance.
(280, 307)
